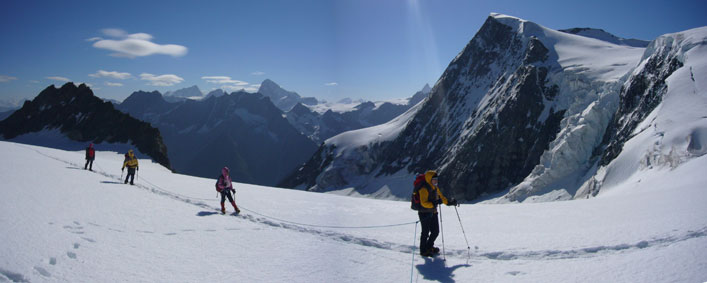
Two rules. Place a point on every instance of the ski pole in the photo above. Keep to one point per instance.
(441, 224)
(468, 248)
(412, 265)
(121, 175)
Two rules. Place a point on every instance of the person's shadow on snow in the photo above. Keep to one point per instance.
(436, 269)
(206, 213)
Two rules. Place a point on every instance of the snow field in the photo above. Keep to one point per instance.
(61, 223)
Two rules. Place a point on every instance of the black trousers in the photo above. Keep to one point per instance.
(226, 193)
(131, 175)
(88, 161)
(430, 230)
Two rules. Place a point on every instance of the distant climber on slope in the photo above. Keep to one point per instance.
(225, 187)
(131, 163)
(90, 156)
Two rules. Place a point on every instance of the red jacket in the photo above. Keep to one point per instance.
(90, 152)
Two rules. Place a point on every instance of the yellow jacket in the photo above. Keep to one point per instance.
(430, 193)
(131, 162)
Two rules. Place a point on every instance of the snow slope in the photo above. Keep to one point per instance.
(61, 223)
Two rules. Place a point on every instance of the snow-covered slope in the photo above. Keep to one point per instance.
(605, 36)
(62, 223)
(663, 121)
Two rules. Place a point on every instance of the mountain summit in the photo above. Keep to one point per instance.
(282, 98)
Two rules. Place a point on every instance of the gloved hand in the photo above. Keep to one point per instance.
(439, 201)
(122, 169)
(452, 202)
(137, 168)
(233, 190)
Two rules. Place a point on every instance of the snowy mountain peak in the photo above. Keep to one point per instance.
(274, 91)
(426, 88)
(282, 98)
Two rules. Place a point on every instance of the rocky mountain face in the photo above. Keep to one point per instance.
(521, 111)
(5, 114)
(640, 95)
(482, 142)
(241, 130)
(81, 116)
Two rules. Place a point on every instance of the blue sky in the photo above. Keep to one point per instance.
(370, 49)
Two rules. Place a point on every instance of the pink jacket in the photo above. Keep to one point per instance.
(224, 181)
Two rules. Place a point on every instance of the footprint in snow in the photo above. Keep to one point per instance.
(42, 271)
(88, 239)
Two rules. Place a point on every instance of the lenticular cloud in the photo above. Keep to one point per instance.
(137, 45)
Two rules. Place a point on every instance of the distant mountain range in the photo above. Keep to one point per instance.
(247, 131)
(241, 130)
(321, 126)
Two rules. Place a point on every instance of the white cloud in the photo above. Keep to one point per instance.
(223, 80)
(258, 73)
(4, 79)
(136, 45)
(229, 84)
(56, 78)
(114, 32)
(162, 80)
(113, 84)
(331, 84)
(94, 39)
(113, 75)
(140, 35)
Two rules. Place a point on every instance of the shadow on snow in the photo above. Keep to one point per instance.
(436, 269)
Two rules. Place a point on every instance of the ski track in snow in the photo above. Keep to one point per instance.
(76, 228)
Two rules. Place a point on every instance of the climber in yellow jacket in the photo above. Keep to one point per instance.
(131, 163)
(430, 197)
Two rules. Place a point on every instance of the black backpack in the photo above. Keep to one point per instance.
(415, 199)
